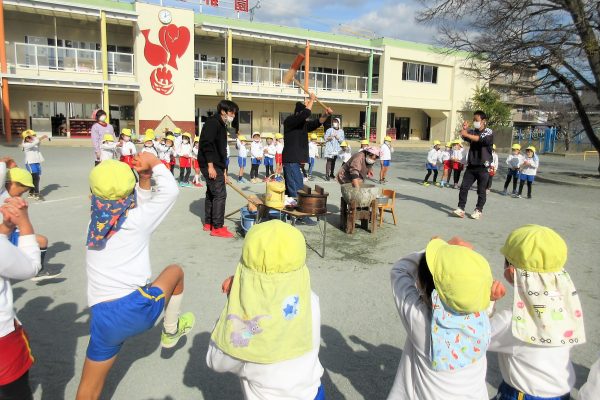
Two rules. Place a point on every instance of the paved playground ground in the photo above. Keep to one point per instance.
(362, 337)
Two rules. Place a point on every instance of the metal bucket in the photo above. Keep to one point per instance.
(363, 196)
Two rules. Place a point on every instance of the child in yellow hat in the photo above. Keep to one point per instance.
(492, 168)
(514, 161)
(444, 160)
(385, 158)
(197, 181)
(269, 331)
(345, 152)
(242, 156)
(108, 148)
(364, 144)
(313, 154)
(528, 171)
(534, 339)
(123, 299)
(33, 160)
(279, 153)
(257, 153)
(14, 183)
(127, 147)
(442, 295)
(150, 143)
(166, 151)
(185, 160)
(457, 158)
(432, 163)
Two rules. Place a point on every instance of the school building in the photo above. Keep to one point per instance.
(154, 66)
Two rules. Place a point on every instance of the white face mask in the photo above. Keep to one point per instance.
(148, 144)
(126, 138)
(336, 125)
(476, 124)
(102, 118)
(186, 141)
(369, 160)
(228, 118)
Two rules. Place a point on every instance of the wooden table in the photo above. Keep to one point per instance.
(294, 215)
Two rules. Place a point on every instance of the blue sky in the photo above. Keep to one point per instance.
(379, 17)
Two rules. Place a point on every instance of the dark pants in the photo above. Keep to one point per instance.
(254, 171)
(330, 167)
(17, 390)
(36, 184)
(216, 196)
(429, 172)
(472, 175)
(529, 184)
(293, 178)
(489, 185)
(457, 173)
(184, 174)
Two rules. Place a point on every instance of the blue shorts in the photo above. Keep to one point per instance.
(14, 237)
(113, 322)
(386, 163)
(242, 162)
(431, 167)
(255, 161)
(269, 161)
(34, 168)
(227, 162)
(320, 393)
(527, 178)
(513, 172)
(507, 392)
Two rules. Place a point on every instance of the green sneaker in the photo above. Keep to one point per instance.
(425, 184)
(184, 326)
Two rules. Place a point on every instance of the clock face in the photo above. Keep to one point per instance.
(165, 16)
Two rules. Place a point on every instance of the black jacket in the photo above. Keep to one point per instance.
(213, 143)
(295, 136)
(480, 152)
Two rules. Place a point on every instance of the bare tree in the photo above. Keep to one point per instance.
(560, 40)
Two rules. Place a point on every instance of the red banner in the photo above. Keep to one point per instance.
(212, 3)
(241, 5)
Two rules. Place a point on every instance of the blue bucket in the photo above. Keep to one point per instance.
(247, 219)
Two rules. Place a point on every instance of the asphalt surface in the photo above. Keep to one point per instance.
(362, 336)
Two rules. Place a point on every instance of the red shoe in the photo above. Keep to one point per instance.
(208, 227)
(221, 232)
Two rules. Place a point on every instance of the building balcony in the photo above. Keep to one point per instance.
(33, 57)
(520, 100)
(529, 117)
(254, 77)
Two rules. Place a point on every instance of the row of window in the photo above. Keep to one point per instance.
(419, 72)
(74, 44)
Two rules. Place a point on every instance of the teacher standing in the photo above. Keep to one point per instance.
(296, 128)
(99, 129)
(333, 139)
(212, 159)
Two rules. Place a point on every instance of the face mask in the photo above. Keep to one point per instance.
(186, 141)
(148, 144)
(370, 161)
(102, 118)
(229, 119)
(336, 125)
(476, 124)
(126, 138)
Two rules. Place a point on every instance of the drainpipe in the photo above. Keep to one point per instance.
(104, 50)
(307, 66)
(369, 90)
(3, 69)
(229, 64)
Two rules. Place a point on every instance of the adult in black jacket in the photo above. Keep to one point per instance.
(479, 159)
(295, 137)
(212, 158)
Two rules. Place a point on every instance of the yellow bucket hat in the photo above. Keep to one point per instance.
(494, 146)
(177, 130)
(19, 175)
(387, 139)
(126, 132)
(108, 138)
(242, 138)
(268, 315)
(448, 144)
(278, 136)
(436, 142)
(462, 277)
(535, 248)
(170, 137)
(187, 135)
(516, 146)
(344, 144)
(532, 148)
(364, 141)
(112, 180)
(196, 139)
(27, 133)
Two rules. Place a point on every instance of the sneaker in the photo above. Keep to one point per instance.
(459, 213)
(306, 221)
(184, 326)
(487, 191)
(529, 197)
(31, 196)
(437, 184)
(517, 196)
(425, 184)
(476, 214)
(305, 180)
(504, 193)
(198, 184)
(43, 275)
(207, 227)
(39, 197)
(222, 232)
(456, 186)
(181, 184)
(328, 178)
(310, 178)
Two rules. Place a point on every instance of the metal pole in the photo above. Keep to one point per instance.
(229, 64)
(104, 49)
(369, 90)
(3, 69)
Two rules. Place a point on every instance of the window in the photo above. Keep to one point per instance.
(419, 72)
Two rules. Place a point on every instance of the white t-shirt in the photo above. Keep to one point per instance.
(514, 162)
(313, 150)
(108, 151)
(433, 156)
(534, 370)
(279, 147)
(415, 379)
(242, 149)
(345, 154)
(386, 152)
(124, 264)
(185, 150)
(257, 150)
(16, 263)
(531, 167)
(296, 379)
(128, 149)
(272, 150)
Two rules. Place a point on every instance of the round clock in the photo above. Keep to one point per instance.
(165, 16)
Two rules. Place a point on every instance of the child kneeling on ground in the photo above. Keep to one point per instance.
(442, 295)
(123, 300)
(534, 339)
(269, 332)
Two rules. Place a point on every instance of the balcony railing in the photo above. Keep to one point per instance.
(524, 117)
(521, 100)
(250, 75)
(42, 57)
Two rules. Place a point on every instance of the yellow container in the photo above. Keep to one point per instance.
(275, 195)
